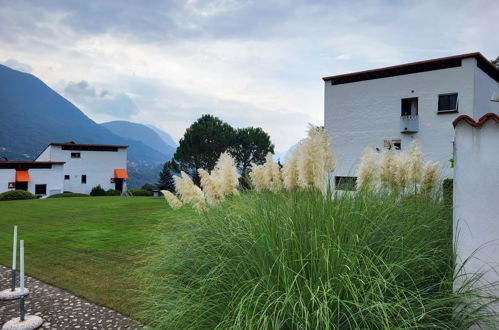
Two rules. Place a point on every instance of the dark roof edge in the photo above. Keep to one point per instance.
(86, 145)
(473, 123)
(30, 162)
(482, 63)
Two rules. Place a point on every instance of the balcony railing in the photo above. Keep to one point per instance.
(409, 124)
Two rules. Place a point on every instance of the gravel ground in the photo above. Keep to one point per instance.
(60, 309)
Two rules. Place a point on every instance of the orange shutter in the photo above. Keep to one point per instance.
(22, 176)
(120, 173)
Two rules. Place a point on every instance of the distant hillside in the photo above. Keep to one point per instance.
(141, 133)
(164, 136)
(32, 115)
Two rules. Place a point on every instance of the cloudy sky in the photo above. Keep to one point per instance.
(251, 63)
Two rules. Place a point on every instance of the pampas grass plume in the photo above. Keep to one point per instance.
(367, 174)
(272, 176)
(172, 200)
(210, 190)
(225, 175)
(290, 171)
(257, 177)
(189, 192)
(430, 177)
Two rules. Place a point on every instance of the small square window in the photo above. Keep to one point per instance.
(84, 178)
(75, 155)
(40, 189)
(66, 177)
(345, 182)
(409, 107)
(448, 103)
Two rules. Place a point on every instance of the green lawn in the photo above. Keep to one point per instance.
(88, 246)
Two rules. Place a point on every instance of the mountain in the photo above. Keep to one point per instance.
(32, 115)
(164, 136)
(141, 133)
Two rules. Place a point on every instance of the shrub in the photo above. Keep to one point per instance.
(299, 260)
(140, 192)
(149, 186)
(68, 194)
(98, 191)
(112, 192)
(16, 195)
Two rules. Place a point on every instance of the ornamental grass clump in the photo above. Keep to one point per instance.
(312, 260)
(189, 192)
(430, 177)
(172, 200)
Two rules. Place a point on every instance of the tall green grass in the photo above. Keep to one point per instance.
(299, 260)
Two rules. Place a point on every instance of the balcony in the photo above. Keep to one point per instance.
(409, 124)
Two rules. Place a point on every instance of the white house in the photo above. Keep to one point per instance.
(40, 178)
(397, 104)
(89, 165)
(476, 194)
(68, 167)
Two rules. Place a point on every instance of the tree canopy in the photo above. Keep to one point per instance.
(208, 137)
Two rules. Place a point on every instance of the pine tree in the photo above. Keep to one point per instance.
(166, 181)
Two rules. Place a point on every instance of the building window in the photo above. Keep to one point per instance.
(40, 189)
(66, 177)
(447, 103)
(392, 144)
(409, 107)
(345, 182)
(75, 155)
(83, 178)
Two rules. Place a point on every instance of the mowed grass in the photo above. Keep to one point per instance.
(88, 246)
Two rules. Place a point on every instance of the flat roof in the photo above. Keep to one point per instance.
(414, 67)
(30, 162)
(65, 144)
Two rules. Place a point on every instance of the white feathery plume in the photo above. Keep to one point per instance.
(430, 177)
(367, 173)
(272, 176)
(210, 190)
(172, 200)
(225, 175)
(415, 164)
(388, 169)
(189, 192)
(290, 171)
(257, 177)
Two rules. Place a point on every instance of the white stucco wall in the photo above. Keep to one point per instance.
(486, 88)
(52, 177)
(98, 166)
(365, 113)
(476, 195)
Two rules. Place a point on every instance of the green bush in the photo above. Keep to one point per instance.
(299, 260)
(149, 186)
(112, 192)
(448, 190)
(68, 194)
(98, 191)
(16, 195)
(140, 192)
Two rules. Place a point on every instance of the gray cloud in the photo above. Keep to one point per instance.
(16, 65)
(100, 101)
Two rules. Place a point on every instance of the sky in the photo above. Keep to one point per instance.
(250, 63)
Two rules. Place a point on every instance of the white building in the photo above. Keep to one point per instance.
(89, 165)
(410, 101)
(68, 167)
(39, 178)
(476, 194)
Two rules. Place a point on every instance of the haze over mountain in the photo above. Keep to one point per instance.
(167, 138)
(141, 133)
(32, 115)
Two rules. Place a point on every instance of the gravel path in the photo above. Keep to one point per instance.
(60, 309)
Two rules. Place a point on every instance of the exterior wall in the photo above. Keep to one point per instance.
(52, 177)
(45, 155)
(486, 88)
(476, 193)
(98, 166)
(365, 113)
